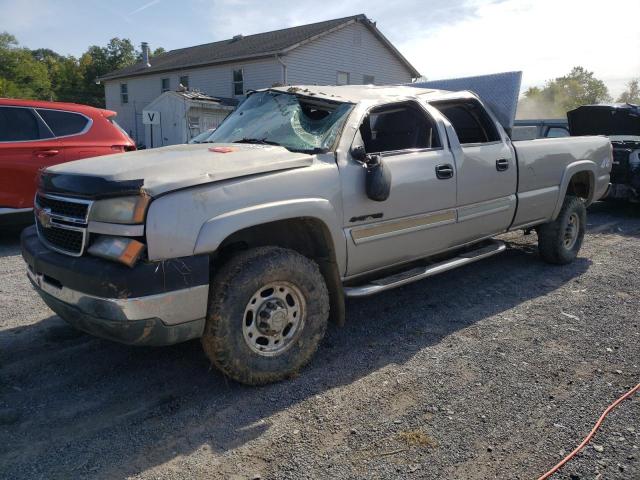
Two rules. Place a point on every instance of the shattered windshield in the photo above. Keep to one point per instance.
(276, 118)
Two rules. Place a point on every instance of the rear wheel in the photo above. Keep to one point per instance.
(267, 314)
(559, 241)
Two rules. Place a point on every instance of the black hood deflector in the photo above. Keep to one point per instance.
(86, 186)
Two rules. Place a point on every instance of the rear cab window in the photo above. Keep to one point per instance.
(470, 120)
(64, 123)
(19, 124)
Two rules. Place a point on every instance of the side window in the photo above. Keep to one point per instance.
(470, 121)
(555, 132)
(399, 127)
(63, 123)
(238, 82)
(21, 124)
(124, 93)
(342, 78)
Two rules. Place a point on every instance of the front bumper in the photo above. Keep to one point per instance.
(154, 303)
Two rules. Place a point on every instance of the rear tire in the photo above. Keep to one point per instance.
(267, 314)
(559, 241)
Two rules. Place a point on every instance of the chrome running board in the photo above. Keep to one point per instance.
(418, 273)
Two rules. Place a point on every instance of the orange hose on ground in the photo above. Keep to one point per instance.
(591, 433)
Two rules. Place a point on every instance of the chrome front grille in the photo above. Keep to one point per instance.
(62, 223)
(64, 208)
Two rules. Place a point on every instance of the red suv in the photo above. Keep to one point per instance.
(35, 135)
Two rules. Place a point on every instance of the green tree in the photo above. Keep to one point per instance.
(21, 75)
(562, 94)
(46, 75)
(632, 93)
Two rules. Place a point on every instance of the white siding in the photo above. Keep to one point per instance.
(214, 80)
(352, 49)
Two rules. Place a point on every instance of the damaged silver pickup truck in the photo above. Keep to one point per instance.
(302, 197)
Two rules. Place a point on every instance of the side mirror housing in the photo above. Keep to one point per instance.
(359, 153)
(377, 179)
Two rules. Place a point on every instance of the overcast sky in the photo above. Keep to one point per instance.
(442, 38)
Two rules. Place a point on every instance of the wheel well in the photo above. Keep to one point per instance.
(580, 185)
(308, 236)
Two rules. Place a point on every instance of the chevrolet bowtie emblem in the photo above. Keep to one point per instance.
(44, 218)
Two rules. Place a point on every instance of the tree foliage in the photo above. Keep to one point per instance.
(46, 75)
(562, 94)
(632, 93)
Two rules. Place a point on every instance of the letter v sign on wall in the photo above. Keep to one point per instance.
(151, 118)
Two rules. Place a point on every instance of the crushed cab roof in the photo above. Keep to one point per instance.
(360, 93)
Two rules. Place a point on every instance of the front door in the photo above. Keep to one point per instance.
(414, 220)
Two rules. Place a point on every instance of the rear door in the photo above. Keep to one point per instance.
(486, 167)
(415, 220)
(70, 128)
(26, 146)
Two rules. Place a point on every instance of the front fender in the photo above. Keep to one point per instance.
(216, 229)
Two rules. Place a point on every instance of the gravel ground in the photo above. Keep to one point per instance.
(496, 370)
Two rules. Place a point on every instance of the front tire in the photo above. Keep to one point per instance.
(267, 314)
(559, 241)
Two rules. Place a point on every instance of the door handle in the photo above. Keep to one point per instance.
(444, 171)
(46, 153)
(502, 164)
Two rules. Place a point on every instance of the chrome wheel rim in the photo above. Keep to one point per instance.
(273, 318)
(571, 231)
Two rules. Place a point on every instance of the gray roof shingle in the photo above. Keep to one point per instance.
(251, 46)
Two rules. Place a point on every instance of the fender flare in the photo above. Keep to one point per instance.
(569, 171)
(215, 230)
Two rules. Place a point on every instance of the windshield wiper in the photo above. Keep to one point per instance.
(260, 141)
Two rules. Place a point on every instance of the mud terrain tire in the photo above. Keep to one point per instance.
(559, 241)
(277, 285)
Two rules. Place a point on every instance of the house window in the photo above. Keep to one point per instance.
(368, 79)
(124, 93)
(238, 82)
(184, 81)
(165, 85)
(342, 78)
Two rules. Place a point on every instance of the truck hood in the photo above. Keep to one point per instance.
(621, 119)
(160, 170)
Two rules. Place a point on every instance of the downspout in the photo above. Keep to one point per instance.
(284, 69)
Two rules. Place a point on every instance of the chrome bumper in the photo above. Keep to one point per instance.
(161, 319)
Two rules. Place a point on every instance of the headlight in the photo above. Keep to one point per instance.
(128, 210)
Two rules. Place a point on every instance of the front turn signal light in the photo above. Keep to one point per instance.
(123, 250)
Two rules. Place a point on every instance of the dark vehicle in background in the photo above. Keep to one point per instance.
(621, 123)
(37, 134)
(539, 128)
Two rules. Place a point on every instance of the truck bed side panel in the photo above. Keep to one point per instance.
(545, 167)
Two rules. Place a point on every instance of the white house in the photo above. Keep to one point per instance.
(347, 50)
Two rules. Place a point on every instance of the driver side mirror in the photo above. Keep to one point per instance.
(359, 153)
